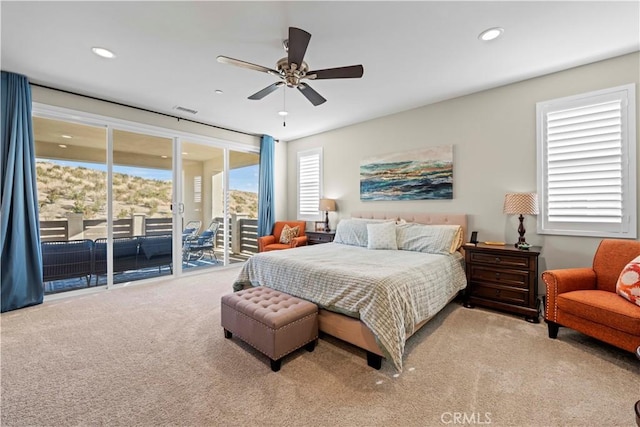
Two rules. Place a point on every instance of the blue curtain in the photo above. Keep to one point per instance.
(266, 208)
(21, 273)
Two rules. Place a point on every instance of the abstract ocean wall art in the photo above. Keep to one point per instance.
(411, 175)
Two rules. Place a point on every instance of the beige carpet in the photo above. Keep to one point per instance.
(155, 354)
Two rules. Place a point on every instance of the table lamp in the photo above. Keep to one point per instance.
(327, 205)
(521, 204)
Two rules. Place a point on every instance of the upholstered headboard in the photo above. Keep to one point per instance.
(419, 217)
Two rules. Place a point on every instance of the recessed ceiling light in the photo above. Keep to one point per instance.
(164, 157)
(62, 146)
(491, 34)
(105, 53)
(66, 136)
(282, 113)
(184, 153)
(219, 92)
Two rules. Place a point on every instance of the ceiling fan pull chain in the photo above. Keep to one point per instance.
(284, 108)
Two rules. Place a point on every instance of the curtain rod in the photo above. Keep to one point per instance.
(144, 109)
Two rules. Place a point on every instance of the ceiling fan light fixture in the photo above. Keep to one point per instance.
(104, 53)
(491, 34)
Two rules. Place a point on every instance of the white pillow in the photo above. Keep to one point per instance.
(434, 239)
(353, 231)
(382, 236)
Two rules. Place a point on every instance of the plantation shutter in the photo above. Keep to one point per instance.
(309, 180)
(586, 166)
(197, 189)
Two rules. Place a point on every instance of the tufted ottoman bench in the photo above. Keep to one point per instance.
(272, 322)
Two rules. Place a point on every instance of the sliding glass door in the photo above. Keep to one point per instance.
(142, 189)
(202, 206)
(121, 203)
(71, 169)
(243, 204)
(224, 205)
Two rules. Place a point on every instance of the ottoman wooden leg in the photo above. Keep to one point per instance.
(311, 345)
(275, 365)
(227, 334)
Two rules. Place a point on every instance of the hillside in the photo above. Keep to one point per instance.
(63, 189)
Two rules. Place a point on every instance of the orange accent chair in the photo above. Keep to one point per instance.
(272, 242)
(585, 299)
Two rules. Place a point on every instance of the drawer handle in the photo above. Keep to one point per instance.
(498, 276)
(497, 292)
(498, 259)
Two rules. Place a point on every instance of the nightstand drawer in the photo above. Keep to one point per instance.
(322, 238)
(517, 278)
(500, 293)
(317, 237)
(500, 259)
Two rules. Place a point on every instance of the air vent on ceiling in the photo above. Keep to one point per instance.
(185, 109)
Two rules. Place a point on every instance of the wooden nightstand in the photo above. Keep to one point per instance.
(317, 237)
(504, 278)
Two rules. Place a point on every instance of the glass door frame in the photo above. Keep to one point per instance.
(110, 124)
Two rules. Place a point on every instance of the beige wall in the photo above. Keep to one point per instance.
(493, 134)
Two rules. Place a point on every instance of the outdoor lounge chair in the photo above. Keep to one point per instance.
(196, 247)
(191, 229)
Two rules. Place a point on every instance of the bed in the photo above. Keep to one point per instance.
(371, 295)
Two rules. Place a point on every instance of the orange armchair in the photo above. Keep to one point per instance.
(585, 299)
(272, 242)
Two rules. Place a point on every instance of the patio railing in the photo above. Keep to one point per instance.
(243, 231)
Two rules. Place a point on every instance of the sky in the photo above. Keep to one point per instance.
(245, 179)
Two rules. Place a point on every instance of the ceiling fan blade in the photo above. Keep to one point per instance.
(298, 42)
(266, 91)
(245, 64)
(313, 96)
(350, 72)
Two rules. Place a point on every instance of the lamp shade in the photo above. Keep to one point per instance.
(328, 205)
(521, 204)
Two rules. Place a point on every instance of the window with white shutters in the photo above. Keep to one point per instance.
(586, 164)
(197, 189)
(309, 184)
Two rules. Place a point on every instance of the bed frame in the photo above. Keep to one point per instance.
(353, 330)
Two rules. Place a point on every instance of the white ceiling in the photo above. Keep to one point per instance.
(414, 53)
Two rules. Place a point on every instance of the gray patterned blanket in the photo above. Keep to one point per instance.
(390, 291)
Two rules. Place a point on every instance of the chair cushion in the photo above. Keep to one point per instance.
(603, 307)
(276, 246)
(628, 285)
(288, 234)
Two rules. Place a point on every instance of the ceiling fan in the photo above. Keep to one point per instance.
(292, 69)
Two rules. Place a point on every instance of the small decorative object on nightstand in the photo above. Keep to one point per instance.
(317, 237)
(503, 277)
